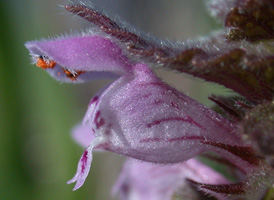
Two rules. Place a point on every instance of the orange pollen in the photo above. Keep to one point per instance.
(73, 75)
(45, 65)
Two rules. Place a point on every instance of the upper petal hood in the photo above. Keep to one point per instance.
(67, 58)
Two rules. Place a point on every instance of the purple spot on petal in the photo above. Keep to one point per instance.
(99, 121)
(174, 105)
(84, 161)
(172, 139)
(97, 115)
(187, 119)
(95, 99)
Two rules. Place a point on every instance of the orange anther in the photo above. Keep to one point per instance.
(72, 75)
(45, 65)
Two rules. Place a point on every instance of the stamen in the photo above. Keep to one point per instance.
(45, 64)
(71, 74)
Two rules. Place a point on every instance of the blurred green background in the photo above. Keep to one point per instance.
(37, 113)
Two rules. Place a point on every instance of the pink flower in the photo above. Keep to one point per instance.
(142, 117)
